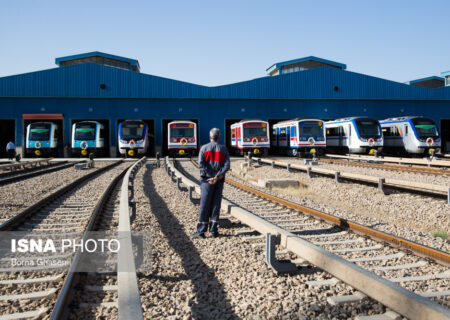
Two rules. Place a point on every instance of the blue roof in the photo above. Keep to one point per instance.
(310, 58)
(84, 80)
(425, 79)
(445, 73)
(132, 62)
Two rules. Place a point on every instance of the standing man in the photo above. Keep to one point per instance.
(11, 150)
(214, 162)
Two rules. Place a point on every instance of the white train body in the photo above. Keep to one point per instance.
(250, 135)
(182, 137)
(42, 139)
(133, 138)
(299, 136)
(88, 137)
(411, 135)
(354, 135)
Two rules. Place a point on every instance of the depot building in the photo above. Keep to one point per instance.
(109, 89)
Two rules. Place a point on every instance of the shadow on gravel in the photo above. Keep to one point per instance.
(210, 298)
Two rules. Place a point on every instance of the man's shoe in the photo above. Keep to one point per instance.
(198, 235)
(215, 234)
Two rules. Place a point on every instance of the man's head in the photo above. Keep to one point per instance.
(214, 134)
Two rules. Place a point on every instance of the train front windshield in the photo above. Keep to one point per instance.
(182, 132)
(255, 130)
(85, 131)
(39, 132)
(132, 131)
(368, 128)
(425, 128)
(311, 129)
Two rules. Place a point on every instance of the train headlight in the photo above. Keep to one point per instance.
(123, 141)
(140, 141)
(173, 139)
(191, 139)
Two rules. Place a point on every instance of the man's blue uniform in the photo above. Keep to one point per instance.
(214, 161)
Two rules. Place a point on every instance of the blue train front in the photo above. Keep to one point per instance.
(88, 137)
(299, 137)
(42, 139)
(133, 138)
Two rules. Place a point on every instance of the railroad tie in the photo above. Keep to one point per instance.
(32, 295)
(55, 278)
(337, 300)
(345, 250)
(403, 266)
(389, 315)
(25, 315)
(378, 258)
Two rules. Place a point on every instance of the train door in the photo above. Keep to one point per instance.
(274, 137)
(292, 135)
(341, 137)
(233, 137)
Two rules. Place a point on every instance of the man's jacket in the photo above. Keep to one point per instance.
(213, 160)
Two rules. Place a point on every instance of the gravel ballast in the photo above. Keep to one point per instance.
(219, 278)
(413, 217)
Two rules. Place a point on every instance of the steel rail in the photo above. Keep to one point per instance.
(438, 163)
(60, 310)
(25, 213)
(397, 298)
(409, 186)
(439, 256)
(128, 290)
(422, 170)
(24, 164)
(37, 171)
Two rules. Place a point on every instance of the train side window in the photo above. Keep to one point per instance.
(274, 131)
(386, 131)
(233, 133)
(283, 132)
(55, 136)
(406, 129)
(333, 131)
(102, 133)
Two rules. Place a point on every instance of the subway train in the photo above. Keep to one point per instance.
(42, 139)
(133, 138)
(182, 138)
(410, 135)
(354, 135)
(250, 135)
(88, 137)
(299, 137)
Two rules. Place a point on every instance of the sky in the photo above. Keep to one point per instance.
(220, 42)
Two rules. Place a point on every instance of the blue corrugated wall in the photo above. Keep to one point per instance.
(75, 92)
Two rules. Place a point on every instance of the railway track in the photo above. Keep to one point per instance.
(407, 277)
(29, 292)
(31, 170)
(426, 189)
(391, 167)
(440, 162)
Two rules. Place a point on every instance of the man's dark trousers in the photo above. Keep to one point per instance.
(211, 198)
(11, 154)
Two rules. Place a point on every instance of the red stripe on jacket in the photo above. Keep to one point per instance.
(214, 156)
